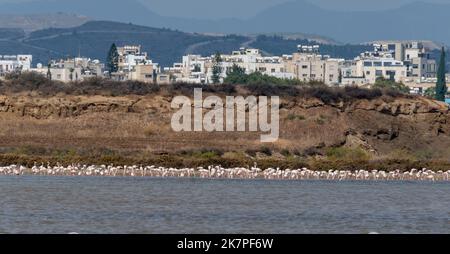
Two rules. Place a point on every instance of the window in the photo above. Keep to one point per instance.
(304, 66)
(273, 70)
(367, 64)
(387, 63)
(391, 74)
(148, 75)
(367, 72)
(378, 64)
(378, 73)
(262, 69)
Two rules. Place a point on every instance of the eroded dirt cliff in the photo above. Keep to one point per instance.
(379, 126)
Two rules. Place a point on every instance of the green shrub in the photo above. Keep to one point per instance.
(251, 152)
(292, 117)
(345, 153)
(320, 121)
(383, 83)
(285, 152)
(266, 150)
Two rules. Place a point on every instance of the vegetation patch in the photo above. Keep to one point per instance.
(293, 117)
(347, 154)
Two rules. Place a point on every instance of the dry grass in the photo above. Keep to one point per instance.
(136, 129)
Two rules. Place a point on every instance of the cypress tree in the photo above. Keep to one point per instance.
(49, 73)
(112, 61)
(217, 68)
(441, 86)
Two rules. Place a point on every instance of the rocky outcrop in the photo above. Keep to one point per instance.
(309, 125)
(42, 108)
(71, 106)
(401, 106)
(395, 107)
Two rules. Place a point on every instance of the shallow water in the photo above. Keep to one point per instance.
(34, 204)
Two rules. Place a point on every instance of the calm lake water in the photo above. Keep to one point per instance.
(32, 204)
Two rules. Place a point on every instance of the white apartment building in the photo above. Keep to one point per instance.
(309, 65)
(173, 73)
(134, 64)
(370, 66)
(199, 69)
(194, 69)
(415, 57)
(273, 66)
(72, 69)
(424, 84)
(11, 63)
(251, 60)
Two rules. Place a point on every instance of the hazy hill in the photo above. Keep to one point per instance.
(99, 9)
(413, 21)
(32, 22)
(165, 46)
(11, 33)
(93, 39)
(424, 21)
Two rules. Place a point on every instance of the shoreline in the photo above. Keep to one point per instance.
(217, 172)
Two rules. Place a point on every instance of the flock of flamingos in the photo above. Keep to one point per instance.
(218, 172)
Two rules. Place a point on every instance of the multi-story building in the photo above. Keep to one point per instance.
(193, 69)
(415, 57)
(309, 65)
(72, 69)
(198, 69)
(134, 64)
(130, 56)
(14, 63)
(251, 61)
(370, 66)
(173, 73)
(424, 84)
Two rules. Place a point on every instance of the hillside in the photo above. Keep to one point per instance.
(11, 33)
(165, 46)
(93, 39)
(33, 22)
(358, 127)
(416, 21)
